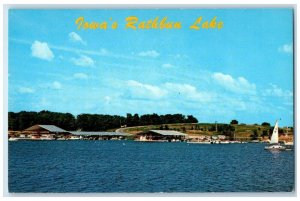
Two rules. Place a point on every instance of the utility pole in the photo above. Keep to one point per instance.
(216, 126)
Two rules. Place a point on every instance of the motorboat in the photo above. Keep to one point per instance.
(13, 139)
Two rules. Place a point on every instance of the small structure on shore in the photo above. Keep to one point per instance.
(44, 132)
(96, 135)
(199, 138)
(160, 136)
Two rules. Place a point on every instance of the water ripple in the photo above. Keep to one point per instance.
(109, 166)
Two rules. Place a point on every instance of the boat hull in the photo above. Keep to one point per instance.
(199, 142)
(151, 140)
(275, 147)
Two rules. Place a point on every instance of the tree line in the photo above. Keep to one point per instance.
(91, 122)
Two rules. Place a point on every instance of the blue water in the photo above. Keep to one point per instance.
(127, 166)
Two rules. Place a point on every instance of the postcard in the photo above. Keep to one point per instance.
(164, 100)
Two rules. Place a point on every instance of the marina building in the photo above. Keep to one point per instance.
(44, 132)
(96, 135)
(160, 136)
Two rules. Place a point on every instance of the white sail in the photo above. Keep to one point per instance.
(274, 138)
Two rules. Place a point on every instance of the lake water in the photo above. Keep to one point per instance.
(128, 166)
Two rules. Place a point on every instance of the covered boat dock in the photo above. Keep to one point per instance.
(44, 132)
(96, 135)
(161, 136)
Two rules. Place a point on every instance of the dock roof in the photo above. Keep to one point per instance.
(50, 128)
(168, 132)
(90, 133)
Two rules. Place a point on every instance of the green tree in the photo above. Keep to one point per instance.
(265, 124)
(264, 133)
(254, 136)
(90, 122)
(12, 121)
(191, 119)
(129, 119)
(280, 131)
(234, 121)
(135, 120)
(155, 119)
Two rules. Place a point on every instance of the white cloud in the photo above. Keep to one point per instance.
(145, 90)
(89, 106)
(44, 102)
(56, 85)
(26, 90)
(99, 52)
(167, 65)
(178, 56)
(286, 48)
(179, 97)
(278, 92)
(41, 50)
(188, 92)
(274, 91)
(107, 99)
(150, 53)
(74, 37)
(80, 75)
(168, 90)
(103, 52)
(83, 61)
(238, 85)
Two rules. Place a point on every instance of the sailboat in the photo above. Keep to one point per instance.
(274, 145)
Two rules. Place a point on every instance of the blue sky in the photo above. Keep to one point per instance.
(243, 71)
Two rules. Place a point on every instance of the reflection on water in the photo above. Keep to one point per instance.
(275, 153)
(126, 166)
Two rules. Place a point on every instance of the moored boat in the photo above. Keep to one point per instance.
(235, 141)
(289, 143)
(149, 140)
(61, 138)
(275, 147)
(199, 142)
(224, 142)
(13, 139)
(74, 138)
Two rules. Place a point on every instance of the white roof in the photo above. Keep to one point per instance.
(88, 133)
(168, 132)
(50, 128)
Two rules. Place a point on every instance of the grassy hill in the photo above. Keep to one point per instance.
(241, 131)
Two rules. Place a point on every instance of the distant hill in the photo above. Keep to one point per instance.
(236, 131)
